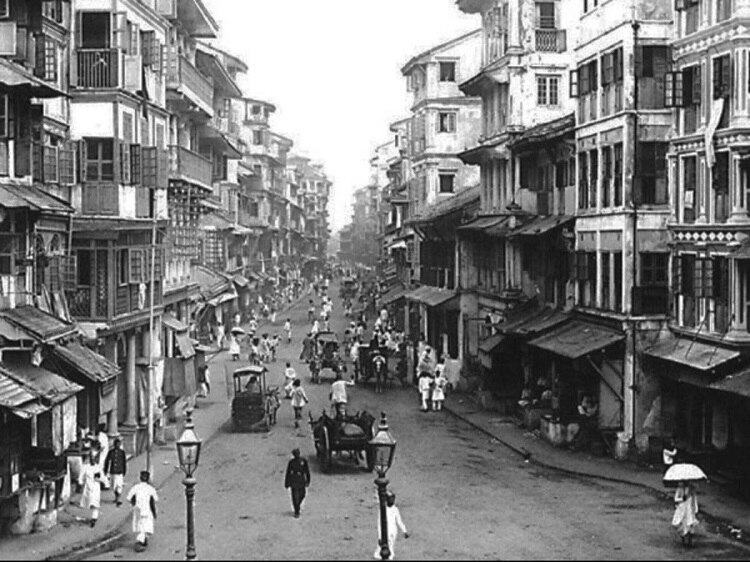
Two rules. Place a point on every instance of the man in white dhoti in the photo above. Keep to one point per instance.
(394, 521)
(143, 498)
(92, 490)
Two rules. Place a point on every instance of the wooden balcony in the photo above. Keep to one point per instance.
(550, 40)
(188, 166)
(187, 82)
(98, 68)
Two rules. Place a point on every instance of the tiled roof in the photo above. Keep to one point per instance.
(45, 384)
(37, 323)
(86, 361)
(463, 199)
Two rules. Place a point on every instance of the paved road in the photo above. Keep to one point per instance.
(461, 495)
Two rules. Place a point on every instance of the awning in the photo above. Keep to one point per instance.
(45, 384)
(459, 203)
(225, 297)
(431, 296)
(533, 322)
(86, 361)
(171, 322)
(491, 343)
(545, 132)
(393, 295)
(240, 280)
(211, 204)
(16, 76)
(399, 245)
(17, 196)
(89, 329)
(542, 225)
(18, 399)
(42, 326)
(737, 383)
(482, 223)
(577, 339)
(216, 221)
(694, 354)
(185, 344)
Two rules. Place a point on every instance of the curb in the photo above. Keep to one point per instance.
(527, 456)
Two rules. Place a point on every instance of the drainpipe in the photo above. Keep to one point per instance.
(634, 387)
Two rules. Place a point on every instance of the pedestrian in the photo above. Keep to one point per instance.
(290, 375)
(220, 336)
(143, 498)
(265, 349)
(685, 512)
(204, 381)
(234, 347)
(274, 346)
(298, 479)
(116, 465)
(394, 523)
(338, 395)
(311, 312)
(308, 345)
(299, 399)
(354, 356)
(669, 453)
(103, 440)
(274, 310)
(288, 330)
(92, 489)
(425, 383)
(438, 386)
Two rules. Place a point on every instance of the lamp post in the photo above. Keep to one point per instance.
(383, 449)
(189, 451)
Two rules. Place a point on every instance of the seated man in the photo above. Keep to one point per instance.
(253, 386)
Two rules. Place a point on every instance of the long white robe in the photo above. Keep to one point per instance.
(92, 490)
(686, 509)
(393, 518)
(143, 519)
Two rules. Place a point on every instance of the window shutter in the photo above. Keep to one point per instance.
(573, 85)
(39, 66)
(120, 30)
(149, 167)
(618, 64)
(593, 75)
(708, 278)
(583, 75)
(162, 171)
(697, 94)
(717, 77)
(726, 76)
(135, 275)
(135, 164)
(677, 274)
(82, 162)
(125, 164)
(638, 60)
(669, 89)
(8, 38)
(606, 69)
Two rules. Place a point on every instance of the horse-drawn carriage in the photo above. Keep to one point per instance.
(252, 403)
(343, 433)
(381, 373)
(348, 288)
(326, 355)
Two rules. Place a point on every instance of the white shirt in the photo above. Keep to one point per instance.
(393, 518)
(338, 391)
(143, 492)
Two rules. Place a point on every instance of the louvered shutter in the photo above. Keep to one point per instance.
(39, 56)
(68, 273)
(708, 277)
(638, 61)
(162, 169)
(573, 84)
(726, 76)
(593, 75)
(125, 164)
(136, 265)
(135, 164)
(120, 30)
(696, 96)
(149, 167)
(677, 274)
(82, 161)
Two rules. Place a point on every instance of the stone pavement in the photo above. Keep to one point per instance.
(73, 533)
(714, 501)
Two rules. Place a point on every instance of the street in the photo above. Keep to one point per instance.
(461, 495)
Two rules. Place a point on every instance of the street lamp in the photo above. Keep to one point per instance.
(189, 452)
(383, 449)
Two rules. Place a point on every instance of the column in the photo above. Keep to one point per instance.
(112, 428)
(737, 188)
(130, 418)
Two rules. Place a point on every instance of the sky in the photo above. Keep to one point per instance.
(333, 69)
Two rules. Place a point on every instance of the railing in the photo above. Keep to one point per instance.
(550, 40)
(187, 165)
(182, 74)
(85, 303)
(98, 68)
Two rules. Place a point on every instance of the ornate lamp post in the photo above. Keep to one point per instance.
(383, 448)
(189, 452)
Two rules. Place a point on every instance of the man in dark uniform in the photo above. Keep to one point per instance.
(298, 479)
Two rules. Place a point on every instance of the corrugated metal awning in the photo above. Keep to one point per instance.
(694, 354)
(39, 324)
(45, 384)
(86, 361)
(431, 296)
(577, 339)
(171, 322)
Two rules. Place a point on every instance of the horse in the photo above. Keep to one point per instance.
(272, 404)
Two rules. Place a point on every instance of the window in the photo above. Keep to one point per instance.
(447, 122)
(133, 31)
(606, 175)
(258, 138)
(722, 78)
(45, 66)
(447, 71)
(545, 15)
(583, 181)
(124, 267)
(617, 191)
(51, 9)
(258, 170)
(723, 10)
(100, 164)
(654, 269)
(5, 122)
(720, 181)
(257, 110)
(95, 30)
(593, 177)
(547, 90)
(85, 259)
(4, 8)
(651, 67)
(447, 182)
(651, 182)
(689, 181)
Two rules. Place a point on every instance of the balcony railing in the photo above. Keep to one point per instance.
(550, 40)
(98, 68)
(186, 165)
(183, 77)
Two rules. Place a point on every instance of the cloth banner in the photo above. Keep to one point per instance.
(717, 108)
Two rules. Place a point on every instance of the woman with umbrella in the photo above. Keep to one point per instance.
(685, 518)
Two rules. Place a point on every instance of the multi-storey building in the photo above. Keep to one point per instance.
(698, 370)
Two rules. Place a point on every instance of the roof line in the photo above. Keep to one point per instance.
(437, 48)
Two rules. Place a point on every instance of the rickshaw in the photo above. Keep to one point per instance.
(348, 289)
(250, 405)
(327, 355)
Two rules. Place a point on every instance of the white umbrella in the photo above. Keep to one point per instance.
(237, 331)
(683, 472)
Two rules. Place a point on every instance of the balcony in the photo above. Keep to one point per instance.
(98, 68)
(550, 40)
(186, 165)
(188, 83)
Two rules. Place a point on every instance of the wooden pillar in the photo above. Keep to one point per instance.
(130, 418)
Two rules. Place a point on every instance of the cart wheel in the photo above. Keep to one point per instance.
(325, 450)
(370, 455)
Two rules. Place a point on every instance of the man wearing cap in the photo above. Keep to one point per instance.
(116, 465)
(298, 479)
(143, 498)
